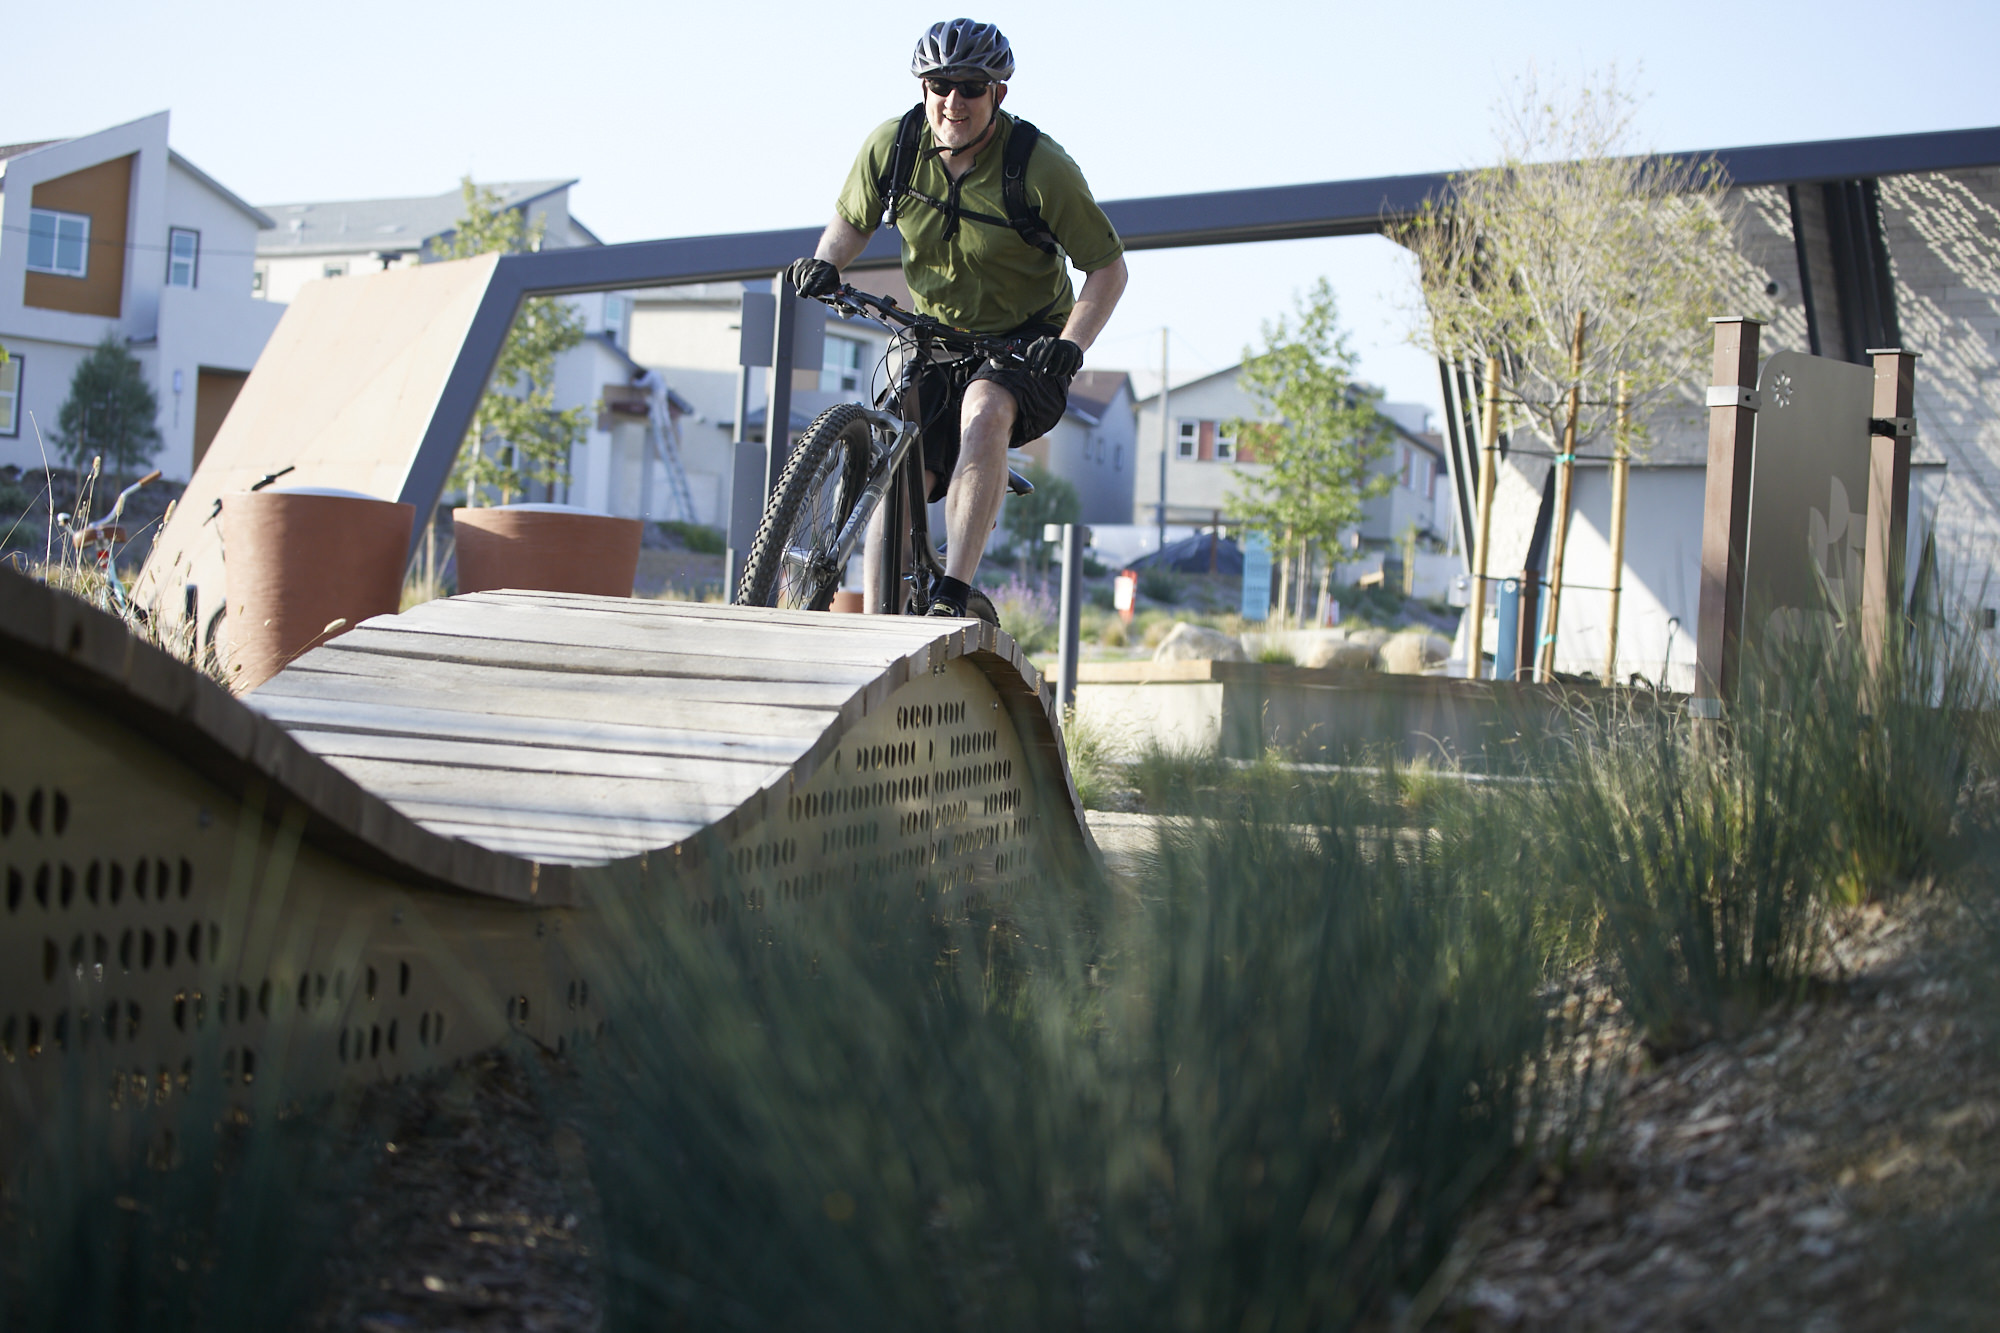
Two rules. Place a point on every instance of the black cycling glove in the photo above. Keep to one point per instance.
(1058, 357)
(814, 277)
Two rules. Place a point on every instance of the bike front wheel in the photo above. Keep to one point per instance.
(792, 563)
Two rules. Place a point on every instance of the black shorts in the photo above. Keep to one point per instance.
(1039, 401)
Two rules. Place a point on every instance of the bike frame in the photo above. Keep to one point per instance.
(908, 568)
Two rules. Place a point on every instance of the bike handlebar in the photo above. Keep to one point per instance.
(884, 310)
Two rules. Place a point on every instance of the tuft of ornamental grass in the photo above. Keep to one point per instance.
(171, 1210)
(1710, 853)
(1264, 1095)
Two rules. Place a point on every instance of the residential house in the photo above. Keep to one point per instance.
(1093, 447)
(692, 336)
(1205, 463)
(114, 233)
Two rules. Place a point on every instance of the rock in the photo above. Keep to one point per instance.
(1373, 638)
(1410, 652)
(1194, 643)
(1344, 653)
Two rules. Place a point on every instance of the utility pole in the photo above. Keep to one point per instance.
(1166, 433)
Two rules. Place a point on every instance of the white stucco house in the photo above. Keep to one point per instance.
(116, 233)
(1205, 464)
(1094, 446)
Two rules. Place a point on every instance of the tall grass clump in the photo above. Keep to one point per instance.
(1711, 853)
(865, 1116)
(171, 1211)
(1321, 1031)
(1262, 1097)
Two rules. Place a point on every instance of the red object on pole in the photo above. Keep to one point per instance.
(1125, 593)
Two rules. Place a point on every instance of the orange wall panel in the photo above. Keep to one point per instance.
(104, 193)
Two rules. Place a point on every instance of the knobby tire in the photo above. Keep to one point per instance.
(818, 489)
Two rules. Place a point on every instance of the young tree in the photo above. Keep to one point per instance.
(1570, 223)
(111, 412)
(1052, 501)
(1321, 431)
(518, 437)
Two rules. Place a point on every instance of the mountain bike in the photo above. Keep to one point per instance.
(851, 459)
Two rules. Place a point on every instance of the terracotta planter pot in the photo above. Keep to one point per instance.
(304, 566)
(546, 548)
(847, 601)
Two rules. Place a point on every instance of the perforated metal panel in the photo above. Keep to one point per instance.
(158, 931)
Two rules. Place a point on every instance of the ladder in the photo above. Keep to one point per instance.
(665, 434)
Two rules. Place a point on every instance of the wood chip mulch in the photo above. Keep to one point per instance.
(474, 1215)
(1835, 1170)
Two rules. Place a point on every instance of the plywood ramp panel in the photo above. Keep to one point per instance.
(342, 394)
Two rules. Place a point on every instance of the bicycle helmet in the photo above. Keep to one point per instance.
(960, 48)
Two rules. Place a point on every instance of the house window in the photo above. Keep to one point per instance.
(183, 251)
(260, 279)
(1225, 444)
(334, 271)
(840, 366)
(1188, 443)
(614, 318)
(58, 243)
(10, 397)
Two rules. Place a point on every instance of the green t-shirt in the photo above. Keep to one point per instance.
(986, 278)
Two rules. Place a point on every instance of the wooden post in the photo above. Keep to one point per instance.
(1489, 431)
(1526, 627)
(1891, 431)
(1725, 522)
(1565, 479)
(1621, 466)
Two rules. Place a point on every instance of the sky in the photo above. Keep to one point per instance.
(690, 119)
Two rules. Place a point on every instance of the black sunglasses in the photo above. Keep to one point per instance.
(970, 90)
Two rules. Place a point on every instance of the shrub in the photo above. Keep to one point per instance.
(1029, 613)
(696, 537)
(1161, 585)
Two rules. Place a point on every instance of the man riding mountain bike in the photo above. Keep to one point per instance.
(988, 209)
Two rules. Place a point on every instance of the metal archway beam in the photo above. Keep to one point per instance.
(1222, 217)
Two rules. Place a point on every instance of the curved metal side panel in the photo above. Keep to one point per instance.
(191, 905)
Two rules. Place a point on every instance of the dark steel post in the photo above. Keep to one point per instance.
(1891, 432)
(748, 482)
(778, 404)
(1725, 524)
(1074, 538)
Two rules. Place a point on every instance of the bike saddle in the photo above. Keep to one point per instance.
(1018, 484)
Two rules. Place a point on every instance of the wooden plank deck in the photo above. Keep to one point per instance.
(577, 730)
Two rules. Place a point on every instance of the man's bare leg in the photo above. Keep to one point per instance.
(986, 424)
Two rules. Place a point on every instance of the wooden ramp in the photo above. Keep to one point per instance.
(367, 867)
(569, 730)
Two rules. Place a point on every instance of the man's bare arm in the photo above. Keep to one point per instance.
(1094, 303)
(841, 243)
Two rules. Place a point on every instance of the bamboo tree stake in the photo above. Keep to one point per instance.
(1621, 466)
(1489, 431)
(1565, 475)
